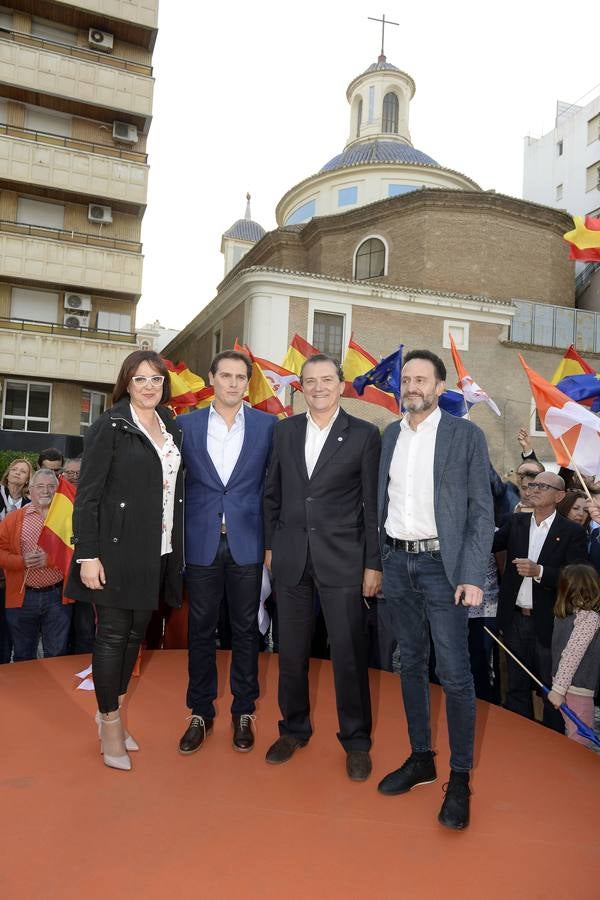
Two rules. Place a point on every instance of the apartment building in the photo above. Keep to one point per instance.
(76, 90)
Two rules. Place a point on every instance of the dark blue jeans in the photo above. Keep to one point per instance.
(206, 587)
(43, 612)
(420, 598)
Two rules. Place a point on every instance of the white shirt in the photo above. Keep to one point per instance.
(315, 439)
(537, 538)
(224, 444)
(170, 460)
(411, 514)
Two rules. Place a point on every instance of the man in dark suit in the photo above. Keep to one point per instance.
(225, 450)
(537, 546)
(436, 525)
(321, 535)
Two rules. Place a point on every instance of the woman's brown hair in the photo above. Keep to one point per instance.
(130, 367)
(568, 502)
(578, 588)
(4, 479)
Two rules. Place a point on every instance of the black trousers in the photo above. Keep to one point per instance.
(206, 587)
(118, 638)
(521, 639)
(344, 613)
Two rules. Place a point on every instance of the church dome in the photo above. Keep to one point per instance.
(379, 152)
(245, 230)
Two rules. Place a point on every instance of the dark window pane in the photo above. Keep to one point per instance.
(328, 331)
(39, 401)
(390, 114)
(370, 259)
(14, 424)
(16, 399)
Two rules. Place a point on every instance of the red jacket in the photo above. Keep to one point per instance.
(11, 558)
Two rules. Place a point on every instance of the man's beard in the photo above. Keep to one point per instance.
(421, 404)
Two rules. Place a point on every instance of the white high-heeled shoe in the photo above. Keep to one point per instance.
(115, 762)
(130, 743)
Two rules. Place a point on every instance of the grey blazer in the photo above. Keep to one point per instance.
(463, 505)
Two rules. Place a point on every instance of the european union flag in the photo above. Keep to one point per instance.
(454, 402)
(582, 387)
(385, 375)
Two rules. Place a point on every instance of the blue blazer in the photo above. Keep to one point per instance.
(207, 498)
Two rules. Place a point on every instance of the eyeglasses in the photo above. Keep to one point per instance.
(143, 380)
(541, 486)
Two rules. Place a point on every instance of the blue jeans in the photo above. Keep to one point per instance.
(43, 612)
(420, 597)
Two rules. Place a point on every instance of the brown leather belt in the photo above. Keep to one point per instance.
(42, 590)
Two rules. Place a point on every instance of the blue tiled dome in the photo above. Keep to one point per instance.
(379, 152)
(245, 230)
(381, 66)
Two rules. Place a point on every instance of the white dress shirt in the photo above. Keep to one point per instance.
(537, 538)
(224, 444)
(315, 439)
(411, 514)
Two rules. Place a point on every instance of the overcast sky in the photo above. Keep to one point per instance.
(252, 97)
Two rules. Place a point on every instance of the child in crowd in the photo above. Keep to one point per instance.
(576, 645)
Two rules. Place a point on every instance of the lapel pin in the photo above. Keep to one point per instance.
(558, 539)
(340, 439)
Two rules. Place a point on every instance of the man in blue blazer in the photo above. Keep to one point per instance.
(436, 525)
(225, 451)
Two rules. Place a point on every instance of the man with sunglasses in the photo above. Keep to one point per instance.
(537, 545)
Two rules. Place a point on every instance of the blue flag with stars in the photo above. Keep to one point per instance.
(385, 375)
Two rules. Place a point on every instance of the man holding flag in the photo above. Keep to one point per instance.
(34, 586)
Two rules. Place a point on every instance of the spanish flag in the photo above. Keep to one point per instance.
(188, 390)
(260, 393)
(356, 362)
(571, 364)
(298, 352)
(584, 239)
(56, 538)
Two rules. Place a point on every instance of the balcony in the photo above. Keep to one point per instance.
(57, 140)
(90, 81)
(140, 12)
(75, 261)
(67, 169)
(39, 350)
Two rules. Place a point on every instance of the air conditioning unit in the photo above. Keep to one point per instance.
(78, 302)
(100, 40)
(75, 321)
(127, 134)
(100, 214)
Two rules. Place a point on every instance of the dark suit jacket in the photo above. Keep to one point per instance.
(207, 498)
(333, 513)
(565, 543)
(463, 504)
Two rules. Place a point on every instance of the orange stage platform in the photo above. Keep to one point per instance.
(221, 824)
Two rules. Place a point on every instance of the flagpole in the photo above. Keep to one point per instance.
(518, 661)
(577, 472)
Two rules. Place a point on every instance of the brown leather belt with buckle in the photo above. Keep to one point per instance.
(422, 546)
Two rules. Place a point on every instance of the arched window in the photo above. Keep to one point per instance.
(145, 344)
(370, 259)
(358, 117)
(390, 114)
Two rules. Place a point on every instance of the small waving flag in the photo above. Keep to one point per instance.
(584, 239)
(56, 538)
(385, 375)
(298, 352)
(188, 390)
(473, 393)
(260, 393)
(357, 362)
(573, 431)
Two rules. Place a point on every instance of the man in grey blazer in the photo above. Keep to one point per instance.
(436, 526)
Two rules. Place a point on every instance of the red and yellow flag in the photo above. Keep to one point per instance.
(188, 390)
(260, 393)
(298, 352)
(571, 364)
(56, 538)
(356, 362)
(584, 239)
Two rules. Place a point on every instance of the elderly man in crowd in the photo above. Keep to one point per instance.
(537, 544)
(526, 473)
(34, 601)
(71, 470)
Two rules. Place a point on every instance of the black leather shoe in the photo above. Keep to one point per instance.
(243, 736)
(409, 775)
(196, 734)
(455, 808)
(283, 749)
(358, 765)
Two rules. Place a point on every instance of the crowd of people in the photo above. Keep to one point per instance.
(408, 546)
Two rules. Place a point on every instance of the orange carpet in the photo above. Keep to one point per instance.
(221, 824)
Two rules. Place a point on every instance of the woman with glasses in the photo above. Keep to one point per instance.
(128, 533)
